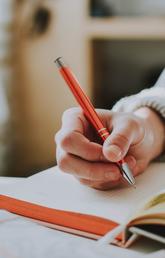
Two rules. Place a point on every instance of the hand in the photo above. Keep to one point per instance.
(138, 138)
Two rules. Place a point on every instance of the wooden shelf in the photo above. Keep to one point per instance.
(126, 28)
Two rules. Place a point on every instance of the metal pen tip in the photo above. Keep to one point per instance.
(127, 174)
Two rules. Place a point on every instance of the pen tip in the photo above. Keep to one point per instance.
(127, 174)
(132, 183)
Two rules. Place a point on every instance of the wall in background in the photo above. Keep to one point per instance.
(40, 94)
(6, 72)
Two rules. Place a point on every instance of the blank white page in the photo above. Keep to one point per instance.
(54, 189)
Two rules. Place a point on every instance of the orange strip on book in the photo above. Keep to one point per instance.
(86, 223)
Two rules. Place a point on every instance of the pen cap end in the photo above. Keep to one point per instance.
(59, 62)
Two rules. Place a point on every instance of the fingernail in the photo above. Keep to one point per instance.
(110, 175)
(115, 150)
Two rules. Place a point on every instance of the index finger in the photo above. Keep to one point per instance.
(72, 137)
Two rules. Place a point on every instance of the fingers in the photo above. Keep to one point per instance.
(78, 167)
(100, 185)
(106, 185)
(72, 140)
(93, 164)
(125, 132)
(73, 119)
(140, 167)
(93, 171)
(76, 143)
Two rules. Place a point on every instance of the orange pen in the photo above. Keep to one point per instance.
(90, 113)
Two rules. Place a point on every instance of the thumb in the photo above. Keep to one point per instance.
(118, 143)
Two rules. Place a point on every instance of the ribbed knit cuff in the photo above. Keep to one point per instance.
(132, 103)
(153, 98)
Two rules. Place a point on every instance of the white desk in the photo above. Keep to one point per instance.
(9, 180)
(31, 240)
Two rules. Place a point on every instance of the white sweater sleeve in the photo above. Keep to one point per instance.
(153, 97)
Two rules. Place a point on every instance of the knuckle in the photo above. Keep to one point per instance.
(57, 137)
(102, 186)
(84, 181)
(66, 140)
(90, 173)
(95, 172)
(106, 185)
(98, 186)
(63, 161)
(140, 168)
(67, 112)
(70, 111)
(121, 139)
(132, 123)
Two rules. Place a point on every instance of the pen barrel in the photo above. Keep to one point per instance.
(84, 102)
(104, 134)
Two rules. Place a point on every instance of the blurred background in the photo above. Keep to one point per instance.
(115, 47)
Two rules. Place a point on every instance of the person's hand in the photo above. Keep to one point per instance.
(136, 137)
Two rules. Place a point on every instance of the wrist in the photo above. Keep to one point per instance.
(155, 128)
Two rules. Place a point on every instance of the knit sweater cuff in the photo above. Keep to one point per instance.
(153, 98)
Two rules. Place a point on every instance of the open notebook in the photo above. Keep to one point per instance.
(59, 201)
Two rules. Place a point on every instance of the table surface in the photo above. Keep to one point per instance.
(9, 180)
(142, 246)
